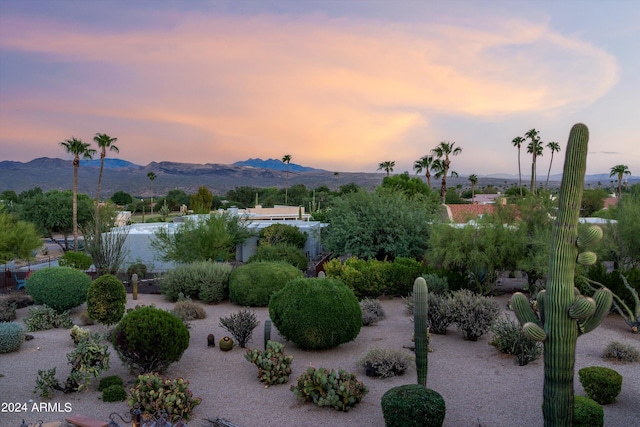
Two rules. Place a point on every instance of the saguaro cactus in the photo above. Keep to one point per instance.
(420, 328)
(564, 314)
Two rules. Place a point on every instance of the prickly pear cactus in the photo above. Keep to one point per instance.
(564, 314)
(420, 328)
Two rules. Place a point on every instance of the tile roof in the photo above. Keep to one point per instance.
(461, 214)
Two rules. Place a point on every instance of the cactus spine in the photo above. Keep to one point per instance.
(420, 328)
(566, 313)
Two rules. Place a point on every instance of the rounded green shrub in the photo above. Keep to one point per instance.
(601, 384)
(138, 268)
(61, 288)
(253, 284)
(413, 405)
(150, 339)
(11, 337)
(587, 412)
(109, 381)
(114, 393)
(78, 260)
(281, 252)
(106, 299)
(316, 313)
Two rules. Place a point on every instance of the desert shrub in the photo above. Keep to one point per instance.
(61, 288)
(150, 339)
(138, 268)
(44, 317)
(11, 337)
(114, 393)
(413, 405)
(621, 352)
(77, 260)
(402, 274)
(601, 384)
(587, 412)
(439, 314)
(316, 313)
(372, 311)
(339, 390)
(367, 278)
(473, 314)
(7, 310)
(508, 338)
(19, 299)
(281, 252)
(109, 381)
(273, 366)
(384, 363)
(85, 319)
(277, 234)
(241, 325)
(208, 281)
(106, 299)
(612, 280)
(178, 402)
(436, 284)
(77, 334)
(253, 284)
(187, 310)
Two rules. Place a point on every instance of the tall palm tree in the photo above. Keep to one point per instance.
(517, 142)
(152, 176)
(424, 164)
(554, 147)
(78, 149)
(535, 149)
(474, 180)
(286, 159)
(620, 171)
(387, 166)
(442, 153)
(104, 142)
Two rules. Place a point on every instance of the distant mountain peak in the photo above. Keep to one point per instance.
(274, 164)
(110, 163)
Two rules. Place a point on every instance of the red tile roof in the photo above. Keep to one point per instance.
(610, 202)
(461, 214)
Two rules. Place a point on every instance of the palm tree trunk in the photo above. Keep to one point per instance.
(428, 175)
(533, 173)
(519, 171)
(75, 205)
(443, 189)
(546, 184)
(102, 156)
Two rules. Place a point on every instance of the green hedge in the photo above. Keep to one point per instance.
(205, 280)
(253, 284)
(281, 252)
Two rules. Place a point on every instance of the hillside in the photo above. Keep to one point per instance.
(50, 174)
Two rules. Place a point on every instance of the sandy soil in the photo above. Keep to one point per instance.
(480, 386)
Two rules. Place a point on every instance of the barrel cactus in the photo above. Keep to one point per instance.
(564, 314)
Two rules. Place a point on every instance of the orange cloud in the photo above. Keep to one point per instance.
(338, 92)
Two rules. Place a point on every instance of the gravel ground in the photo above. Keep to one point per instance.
(480, 386)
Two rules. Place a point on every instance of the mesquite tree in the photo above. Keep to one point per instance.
(564, 314)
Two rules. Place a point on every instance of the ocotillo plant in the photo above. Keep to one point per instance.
(420, 328)
(563, 312)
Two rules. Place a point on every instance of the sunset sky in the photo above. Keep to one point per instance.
(339, 85)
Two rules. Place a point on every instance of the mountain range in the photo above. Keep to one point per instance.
(57, 174)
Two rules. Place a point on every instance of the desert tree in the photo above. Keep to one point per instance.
(473, 178)
(286, 159)
(424, 164)
(619, 171)
(387, 166)
(152, 176)
(517, 142)
(104, 142)
(535, 149)
(442, 153)
(77, 148)
(554, 147)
